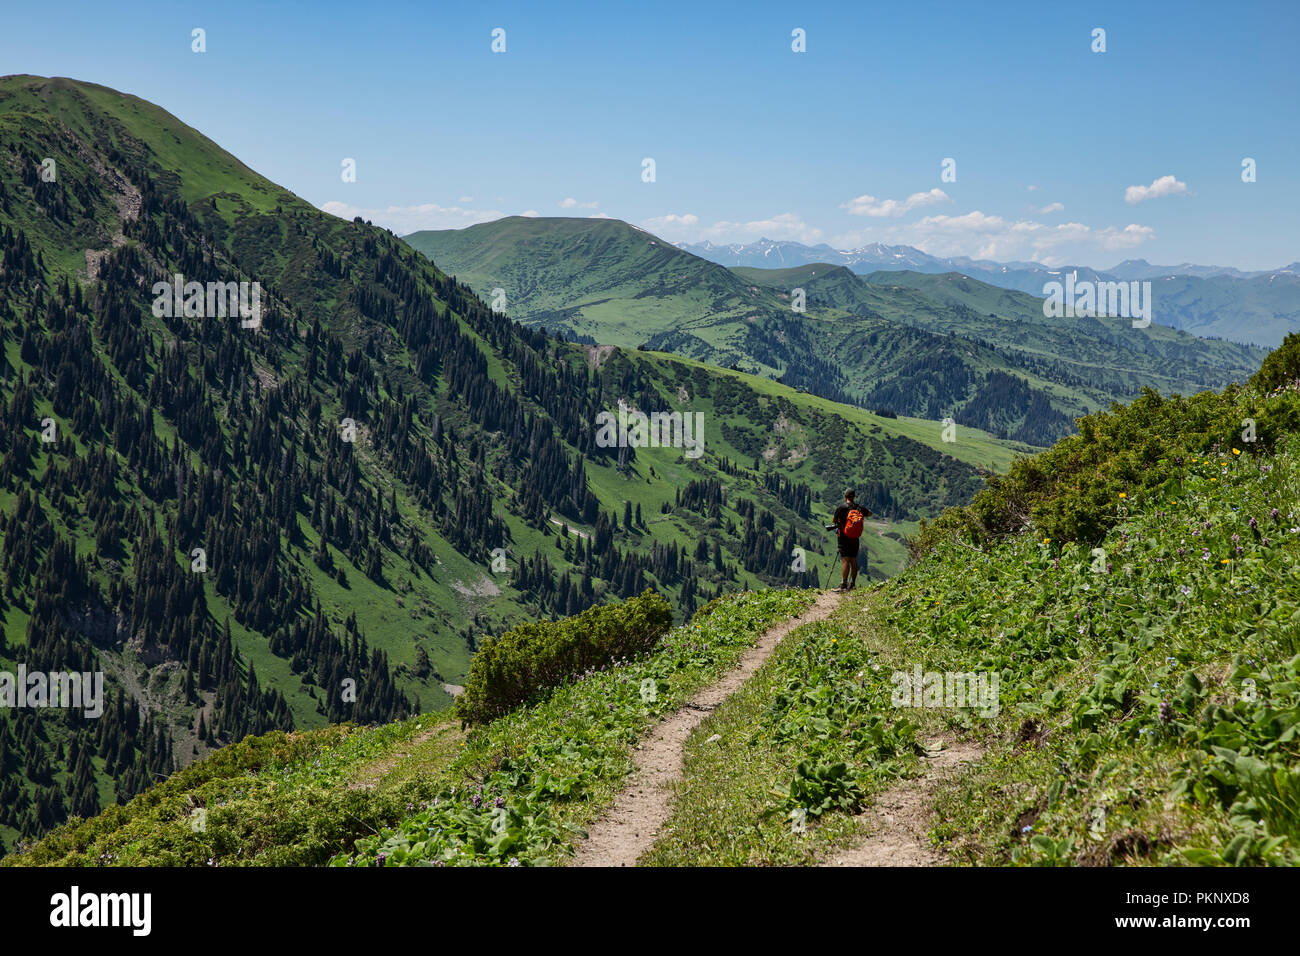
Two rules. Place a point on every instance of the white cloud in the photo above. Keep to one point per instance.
(975, 234)
(404, 220)
(1050, 207)
(982, 236)
(662, 225)
(599, 215)
(572, 203)
(530, 213)
(871, 206)
(687, 228)
(465, 199)
(1033, 189)
(1164, 186)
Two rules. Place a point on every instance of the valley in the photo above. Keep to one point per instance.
(319, 517)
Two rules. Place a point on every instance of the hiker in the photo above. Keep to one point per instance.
(848, 522)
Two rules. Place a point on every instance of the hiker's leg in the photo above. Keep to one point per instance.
(853, 568)
(845, 581)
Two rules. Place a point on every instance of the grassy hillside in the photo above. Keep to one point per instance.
(601, 280)
(338, 560)
(421, 791)
(1142, 614)
(1158, 355)
(929, 346)
(1257, 309)
(1146, 710)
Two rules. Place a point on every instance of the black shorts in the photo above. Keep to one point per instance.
(849, 547)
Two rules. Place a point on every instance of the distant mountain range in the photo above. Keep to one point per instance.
(1257, 308)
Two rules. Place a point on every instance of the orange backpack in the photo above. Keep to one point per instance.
(853, 522)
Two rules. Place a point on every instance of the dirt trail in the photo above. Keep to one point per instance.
(900, 817)
(630, 826)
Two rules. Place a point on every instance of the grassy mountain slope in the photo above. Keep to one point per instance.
(1134, 589)
(1208, 301)
(921, 345)
(307, 798)
(587, 276)
(1147, 708)
(329, 560)
(1248, 309)
(1258, 309)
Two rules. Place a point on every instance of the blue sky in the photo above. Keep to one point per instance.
(842, 143)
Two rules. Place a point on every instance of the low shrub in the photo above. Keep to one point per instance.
(1281, 366)
(511, 669)
(1083, 486)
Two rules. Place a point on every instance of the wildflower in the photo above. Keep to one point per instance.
(478, 801)
(1028, 829)
(1224, 561)
(1236, 451)
(499, 803)
(1123, 495)
(1166, 712)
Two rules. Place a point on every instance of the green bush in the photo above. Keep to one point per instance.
(1078, 489)
(1281, 366)
(509, 670)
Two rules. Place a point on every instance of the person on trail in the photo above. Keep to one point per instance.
(848, 522)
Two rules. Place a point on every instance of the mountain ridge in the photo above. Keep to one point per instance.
(1209, 301)
(880, 340)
